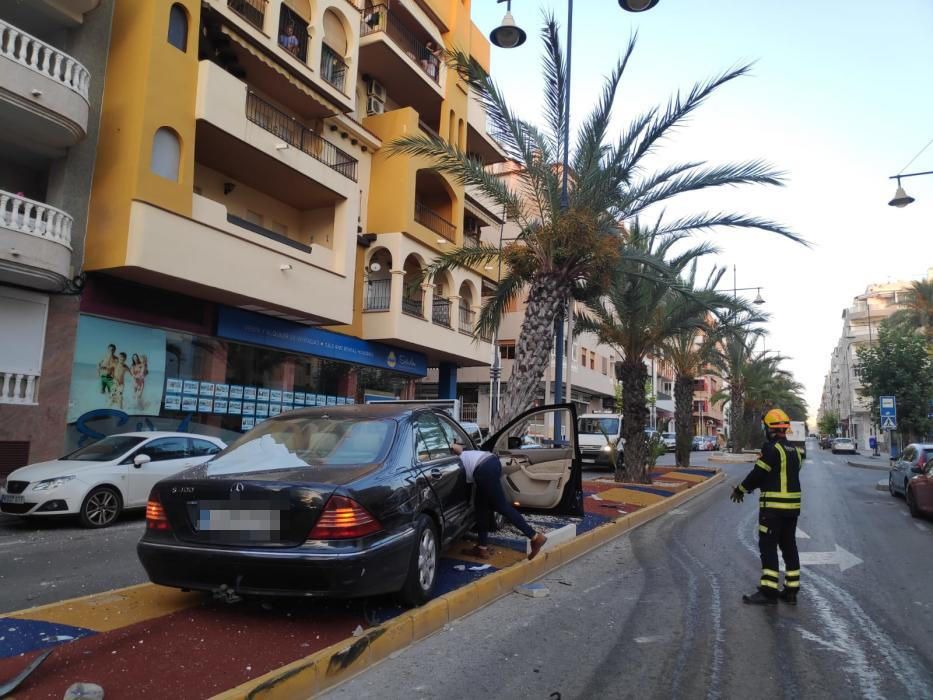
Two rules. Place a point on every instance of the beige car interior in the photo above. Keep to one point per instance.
(535, 477)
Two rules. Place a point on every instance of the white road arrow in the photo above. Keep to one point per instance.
(843, 558)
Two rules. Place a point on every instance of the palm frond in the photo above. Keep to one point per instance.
(555, 83)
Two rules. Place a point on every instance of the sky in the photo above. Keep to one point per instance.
(839, 99)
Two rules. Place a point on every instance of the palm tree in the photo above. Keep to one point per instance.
(918, 309)
(561, 245)
(646, 303)
(690, 352)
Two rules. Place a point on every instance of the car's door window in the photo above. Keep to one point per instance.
(430, 439)
(202, 448)
(910, 454)
(165, 449)
(454, 433)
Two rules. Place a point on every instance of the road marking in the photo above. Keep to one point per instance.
(841, 558)
(801, 535)
(921, 526)
(9, 544)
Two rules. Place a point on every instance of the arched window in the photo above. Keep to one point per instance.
(178, 27)
(166, 154)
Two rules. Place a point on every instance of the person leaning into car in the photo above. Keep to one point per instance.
(485, 470)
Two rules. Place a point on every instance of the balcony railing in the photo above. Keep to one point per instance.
(293, 33)
(377, 295)
(469, 412)
(18, 388)
(378, 18)
(35, 54)
(467, 319)
(296, 134)
(413, 305)
(35, 218)
(440, 314)
(485, 336)
(471, 237)
(253, 11)
(434, 221)
(333, 67)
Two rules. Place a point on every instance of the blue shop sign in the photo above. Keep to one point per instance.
(249, 327)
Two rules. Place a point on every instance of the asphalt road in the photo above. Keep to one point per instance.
(657, 613)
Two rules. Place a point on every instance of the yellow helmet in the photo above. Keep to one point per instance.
(776, 419)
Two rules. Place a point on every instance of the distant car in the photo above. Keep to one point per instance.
(97, 482)
(696, 443)
(712, 443)
(844, 444)
(670, 440)
(911, 463)
(826, 442)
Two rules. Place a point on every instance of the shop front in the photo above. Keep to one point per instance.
(167, 362)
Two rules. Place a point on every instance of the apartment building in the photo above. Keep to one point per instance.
(841, 389)
(708, 418)
(252, 245)
(53, 56)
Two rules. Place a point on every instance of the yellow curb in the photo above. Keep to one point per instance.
(328, 667)
(111, 610)
(681, 476)
(631, 496)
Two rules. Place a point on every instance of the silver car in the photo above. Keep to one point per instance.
(844, 444)
(670, 440)
(914, 456)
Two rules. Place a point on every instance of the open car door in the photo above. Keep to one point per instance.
(539, 473)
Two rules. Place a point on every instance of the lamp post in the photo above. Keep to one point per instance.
(508, 35)
(901, 198)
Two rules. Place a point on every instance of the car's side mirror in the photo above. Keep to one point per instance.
(140, 460)
(515, 443)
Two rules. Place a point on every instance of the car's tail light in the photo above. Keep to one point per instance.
(343, 519)
(155, 513)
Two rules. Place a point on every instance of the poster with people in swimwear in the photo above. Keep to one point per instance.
(117, 365)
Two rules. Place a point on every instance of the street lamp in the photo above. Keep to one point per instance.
(507, 36)
(901, 198)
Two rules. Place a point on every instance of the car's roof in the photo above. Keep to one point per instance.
(385, 409)
(163, 433)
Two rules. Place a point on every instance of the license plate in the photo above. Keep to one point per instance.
(11, 498)
(589, 460)
(238, 520)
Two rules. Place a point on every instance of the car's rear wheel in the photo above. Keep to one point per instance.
(422, 569)
(101, 507)
(912, 503)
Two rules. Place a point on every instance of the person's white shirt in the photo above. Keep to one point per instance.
(471, 459)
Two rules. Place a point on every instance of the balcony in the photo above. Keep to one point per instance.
(413, 304)
(440, 314)
(16, 388)
(253, 11)
(467, 320)
(434, 221)
(376, 294)
(400, 57)
(333, 68)
(35, 243)
(43, 93)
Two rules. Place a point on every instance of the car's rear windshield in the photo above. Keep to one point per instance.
(286, 443)
(105, 450)
(599, 426)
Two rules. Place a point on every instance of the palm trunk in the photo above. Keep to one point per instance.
(683, 419)
(634, 420)
(533, 351)
(736, 415)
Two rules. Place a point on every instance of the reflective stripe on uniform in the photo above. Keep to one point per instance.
(792, 584)
(763, 465)
(789, 575)
(762, 528)
(783, 454)
(780, 506)
(767, 583)
(769, 572)
(743, 489)
(784, 495)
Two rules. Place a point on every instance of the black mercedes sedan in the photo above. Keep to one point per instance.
(343, 501)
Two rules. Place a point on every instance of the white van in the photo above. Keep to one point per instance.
(600, 438)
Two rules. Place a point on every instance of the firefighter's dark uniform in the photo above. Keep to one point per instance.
(777, 475)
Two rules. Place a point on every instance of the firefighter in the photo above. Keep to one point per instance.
(777, 474)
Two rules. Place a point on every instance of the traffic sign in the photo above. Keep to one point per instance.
(888, 405)
(888, 423)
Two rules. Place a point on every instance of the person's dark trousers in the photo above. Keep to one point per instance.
(778, 529)
(489, 495)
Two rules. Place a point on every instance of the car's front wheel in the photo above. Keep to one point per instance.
(101, 507)
(422, 568)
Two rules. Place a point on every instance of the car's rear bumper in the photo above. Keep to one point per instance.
(299, 571)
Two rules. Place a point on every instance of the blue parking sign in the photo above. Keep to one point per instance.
(888, 407)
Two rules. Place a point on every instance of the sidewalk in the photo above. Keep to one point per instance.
(868, 461)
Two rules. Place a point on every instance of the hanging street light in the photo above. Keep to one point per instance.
(507, 35)
(901, 198)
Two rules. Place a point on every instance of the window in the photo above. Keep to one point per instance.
(909, 455)
(105, 450)
(200, 448)
(178, 27)
(430, 440)
(164, 449)
(454, 433)
(605, 365)
(583, 356)
(166, 154)
(507, 351)
(592, 360)
(699, 407)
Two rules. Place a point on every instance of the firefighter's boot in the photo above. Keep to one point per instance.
(758, 598)
(789, 596)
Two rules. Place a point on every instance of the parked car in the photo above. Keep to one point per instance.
(908, 466)
(920, 490)
(712, 443)
(696, 444)
(670, 440)
(826, 442)
(97, 482)
(600, 436)
(342, 501)
(844, 444)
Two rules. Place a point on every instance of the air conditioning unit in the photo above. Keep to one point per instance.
(374, 105)
(377, 90)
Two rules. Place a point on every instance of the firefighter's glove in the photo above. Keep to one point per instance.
(738, 495)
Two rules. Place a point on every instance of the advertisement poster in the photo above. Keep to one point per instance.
(205, 405)
(262, 410)
(235, 407)
(299, 398)
(189, 403)
(249, 393)
(288, 397)
(220, 391)
(173, 386)
(172, 402)
(249, 408)
(220, 405)
(248, 423)
(207, 388)
(117, 365)
(275, 396)
(263, 395)
(191, 387)
(236, 391)
(275, 409)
